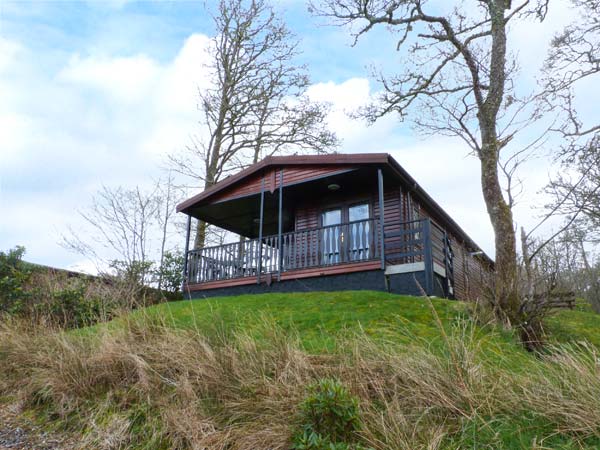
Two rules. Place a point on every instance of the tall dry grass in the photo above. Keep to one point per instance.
(147, 385)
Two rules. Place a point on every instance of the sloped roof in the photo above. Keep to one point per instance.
(282, 161)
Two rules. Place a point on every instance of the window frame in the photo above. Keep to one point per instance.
(344, 207)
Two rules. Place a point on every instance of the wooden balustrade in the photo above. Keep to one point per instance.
(323, 246)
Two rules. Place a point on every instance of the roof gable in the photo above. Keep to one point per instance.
(303, 167)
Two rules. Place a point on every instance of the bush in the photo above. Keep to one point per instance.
(14, 274)
(67, 305)
(63, 299)
(314, 441)
(136, 273)
(330, 418)
(169, 274)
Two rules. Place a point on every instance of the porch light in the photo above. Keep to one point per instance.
(256, 220)
(333, 187)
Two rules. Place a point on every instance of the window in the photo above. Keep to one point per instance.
(358, 212)
(331, 217)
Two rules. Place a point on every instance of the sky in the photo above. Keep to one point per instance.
(99, 93)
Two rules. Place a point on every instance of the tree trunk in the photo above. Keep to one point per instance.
(212, 162)
(505, 287)
(506, 294)
(200, 237)
(592, 278)
(202, 226)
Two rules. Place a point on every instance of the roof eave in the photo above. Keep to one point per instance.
(335, 158)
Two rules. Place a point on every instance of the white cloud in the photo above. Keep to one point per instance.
(358, 136)
(8, 52)
(127, 79)
(97, 120)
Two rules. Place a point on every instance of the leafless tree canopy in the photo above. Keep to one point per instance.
(569, 263)
(578, 192)
(453, 68)
(573, 57)
(131, 226)
(257, 105)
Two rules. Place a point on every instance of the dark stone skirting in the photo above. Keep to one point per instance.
(372, 280)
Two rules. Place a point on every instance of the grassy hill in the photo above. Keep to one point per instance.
(320, 318)
(238, 372)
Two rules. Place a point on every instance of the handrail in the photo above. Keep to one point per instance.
(304, 230)
(222, 245)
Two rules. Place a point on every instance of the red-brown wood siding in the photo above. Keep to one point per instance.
(471, 274)
(291, 175)
(307, 217)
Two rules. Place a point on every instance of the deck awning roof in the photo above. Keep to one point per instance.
(285, 161)
(235, 193)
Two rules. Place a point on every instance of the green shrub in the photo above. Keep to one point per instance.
(170, 273)
(14, 274)
(68, 305)
(314, 441)
(330, 418)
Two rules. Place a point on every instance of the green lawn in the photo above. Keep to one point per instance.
(579, 325)
(318, 317)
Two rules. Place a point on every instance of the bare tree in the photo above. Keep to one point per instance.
(543, 287)
(457, 79)
(563, 267)
(587, 280)
(573, 57)
(122, 228)
(257, 105)
(119, 221)
(576, 191)
(168, 195)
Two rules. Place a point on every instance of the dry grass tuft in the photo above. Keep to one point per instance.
(148, 385)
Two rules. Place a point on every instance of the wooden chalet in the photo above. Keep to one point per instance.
(330, 222)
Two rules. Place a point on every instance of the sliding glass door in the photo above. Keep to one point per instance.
(346, 234)
(359, 232)
(332, 237)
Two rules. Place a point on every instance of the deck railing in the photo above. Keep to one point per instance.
(420, 241)
(316, 247)
(404, 242)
